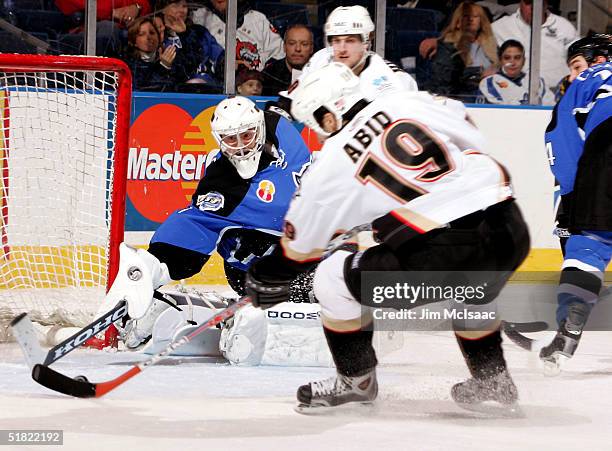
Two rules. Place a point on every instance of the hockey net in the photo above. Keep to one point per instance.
(63, 155)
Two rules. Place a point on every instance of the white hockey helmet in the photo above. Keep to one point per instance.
(347, 20)
(333, 88)
(239, 128)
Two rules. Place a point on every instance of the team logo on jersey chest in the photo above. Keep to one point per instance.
(212, 201)
(265, 191)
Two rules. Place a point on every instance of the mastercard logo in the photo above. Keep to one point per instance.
(167, 158)
(266, 190)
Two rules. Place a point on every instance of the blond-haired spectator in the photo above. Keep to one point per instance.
(467, 51)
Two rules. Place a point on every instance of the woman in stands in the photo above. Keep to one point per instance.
(510, 85)
(151, 65)
(467, 51)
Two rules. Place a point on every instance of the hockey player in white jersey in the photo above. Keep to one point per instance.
(348, 33)
(413, 168)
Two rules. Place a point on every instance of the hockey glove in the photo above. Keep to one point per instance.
(269, 280)
(267, 284)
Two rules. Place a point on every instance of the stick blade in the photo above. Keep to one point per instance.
(53, 380)
(528, 327)
(25, 334)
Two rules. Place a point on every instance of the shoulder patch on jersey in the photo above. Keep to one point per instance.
(265, 191)
(382, 83)
(212, 201)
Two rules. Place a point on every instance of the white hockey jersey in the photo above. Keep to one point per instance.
(257, 40)
(405, 153)
(377, 77)
(499, 89)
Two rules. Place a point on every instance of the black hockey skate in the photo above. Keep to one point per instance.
(566, 340)
(561, 348)
(337, 390)
(496, 395)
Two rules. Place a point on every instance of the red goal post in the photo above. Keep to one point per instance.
(65, 126)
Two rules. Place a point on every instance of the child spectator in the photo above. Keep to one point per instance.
(557, 34)
(151, 65)
(257, 41)
(249, 83)
(510, 85)
(467, 51)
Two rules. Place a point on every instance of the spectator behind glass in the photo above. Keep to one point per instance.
(150, 65)
(510, 85)
(199, 58)
(557, 35)
(249, 83)
(466, 52)
(280, 74)
(257, 41)
(112, 16)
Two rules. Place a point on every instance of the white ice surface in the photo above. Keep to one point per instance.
(203, 405)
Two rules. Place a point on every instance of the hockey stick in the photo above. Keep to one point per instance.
(80, 387)
(24, 332)
(514, 332)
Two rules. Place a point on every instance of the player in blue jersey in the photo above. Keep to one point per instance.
(239, 205)
(580, 156)
(237, 210)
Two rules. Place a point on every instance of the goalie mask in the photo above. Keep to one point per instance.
(347, 21)
(239, 128)
(332, 89)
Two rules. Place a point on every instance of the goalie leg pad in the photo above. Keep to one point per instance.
(173, 324)
(138, 331)
(288, 334)
(243, 340)
(139, 274)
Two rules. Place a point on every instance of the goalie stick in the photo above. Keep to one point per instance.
(80, 387)
(24, 332)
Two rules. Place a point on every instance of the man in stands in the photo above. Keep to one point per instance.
(280, 73)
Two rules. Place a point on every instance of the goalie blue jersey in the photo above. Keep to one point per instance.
(586, 104)
(242, 219)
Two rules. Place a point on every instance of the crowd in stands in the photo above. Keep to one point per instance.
(473, 51)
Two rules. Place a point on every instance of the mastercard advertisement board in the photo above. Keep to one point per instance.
(169, 142)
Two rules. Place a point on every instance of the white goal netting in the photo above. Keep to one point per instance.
(57, 152)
